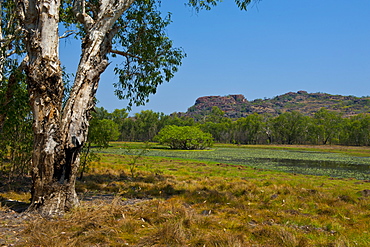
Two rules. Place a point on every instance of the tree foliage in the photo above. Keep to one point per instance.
(105, 126)
(290, 127)
(15, 118)
(103, 131)
(16, 137)
(208, 4)
(149, 56)
(324, 127)
(248, 130)
(184, 137)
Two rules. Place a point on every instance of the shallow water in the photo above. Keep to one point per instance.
(329, 168)
(302, 162)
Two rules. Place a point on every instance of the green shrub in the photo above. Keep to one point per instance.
(184, 137)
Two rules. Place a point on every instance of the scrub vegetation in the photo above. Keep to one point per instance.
(187, 202)
(184, 137)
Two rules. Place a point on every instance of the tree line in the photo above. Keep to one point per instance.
(324, 127)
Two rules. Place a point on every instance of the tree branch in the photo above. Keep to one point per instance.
(21, 9)
(125, 54)
(68, 33)
(79, 9)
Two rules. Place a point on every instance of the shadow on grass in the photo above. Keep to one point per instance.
(142, 186)
(16, 206)
(20, 185)
(16, 184)
(161, 148)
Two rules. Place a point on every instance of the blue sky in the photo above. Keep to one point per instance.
(274, 48)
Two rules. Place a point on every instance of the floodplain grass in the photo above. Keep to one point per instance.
(182, 202)
(335, 161)
(358, 151)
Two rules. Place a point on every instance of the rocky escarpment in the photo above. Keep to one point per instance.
(236, 106)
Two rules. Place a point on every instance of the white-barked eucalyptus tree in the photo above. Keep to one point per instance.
(130, 29)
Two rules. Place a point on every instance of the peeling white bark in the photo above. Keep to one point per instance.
(92, 64)
(44, 78)
(60, 135)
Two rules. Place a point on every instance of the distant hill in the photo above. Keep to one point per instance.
(236, 106)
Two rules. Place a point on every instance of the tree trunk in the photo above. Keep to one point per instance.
(59, 136)
(52, 189)
(93, 62)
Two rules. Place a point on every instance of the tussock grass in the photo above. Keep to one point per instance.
(173, 202)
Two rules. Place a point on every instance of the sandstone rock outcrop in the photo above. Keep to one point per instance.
(236, 106)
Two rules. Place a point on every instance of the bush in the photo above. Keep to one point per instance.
(184, 137)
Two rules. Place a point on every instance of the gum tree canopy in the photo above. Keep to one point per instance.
(132, 30)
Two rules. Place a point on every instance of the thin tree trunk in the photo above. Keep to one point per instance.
(9, 92)
(2, 50)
